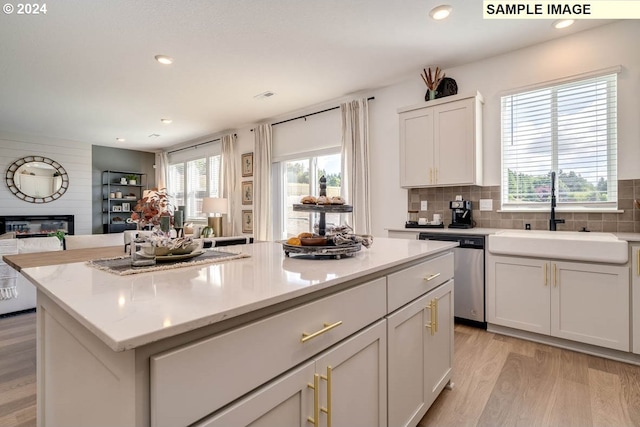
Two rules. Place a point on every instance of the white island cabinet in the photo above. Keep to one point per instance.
(635, 295)
(263, 340)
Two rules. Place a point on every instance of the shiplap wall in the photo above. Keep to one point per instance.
(74, 156)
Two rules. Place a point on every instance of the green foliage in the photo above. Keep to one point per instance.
(571, 187)
(296, 172)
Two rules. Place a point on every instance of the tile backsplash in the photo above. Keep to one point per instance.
(438, 202)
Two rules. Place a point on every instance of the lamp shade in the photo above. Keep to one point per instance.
(214, 205)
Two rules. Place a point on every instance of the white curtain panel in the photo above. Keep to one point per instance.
(162, 169)
(262, 224)
(355, 162)
(229, 183)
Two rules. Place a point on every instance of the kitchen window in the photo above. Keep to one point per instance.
(191, 180)
(569, 128)
(298, 177)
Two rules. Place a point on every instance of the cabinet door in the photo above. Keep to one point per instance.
(590, 303)
(407, 329)
(454, 140)
(287, 401)
(353, 388)
(439, 341)
(518, 293)
(416, 148)
(635, 295)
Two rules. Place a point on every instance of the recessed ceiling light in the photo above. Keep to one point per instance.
(440, 12)
(563, 23)
(166, 121)
(120, 139)
(164, 59)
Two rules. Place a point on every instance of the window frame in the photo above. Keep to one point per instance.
(278, 183)
(608, 206)
(184, 159)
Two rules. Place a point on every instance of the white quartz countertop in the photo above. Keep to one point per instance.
(126, 312)
(629, 237)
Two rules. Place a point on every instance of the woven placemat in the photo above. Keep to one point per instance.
(122, 265)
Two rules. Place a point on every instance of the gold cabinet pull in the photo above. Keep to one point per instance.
(638, 262)
(435, 316)
(430, 176)
(327, 327)
(555, 275)
(327, 410)
(432, 324)
(433, 276)
(436, 175)
(545, 274)
(315, 420)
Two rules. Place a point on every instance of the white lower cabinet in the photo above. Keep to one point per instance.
(635, 298)
(420, 354)
(344, 386)
(583, 302)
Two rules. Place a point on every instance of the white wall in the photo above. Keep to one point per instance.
(610, 45)
(74, 156)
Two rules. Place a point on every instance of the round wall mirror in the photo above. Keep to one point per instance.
(37, 179)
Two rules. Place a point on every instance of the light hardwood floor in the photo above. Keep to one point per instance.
(499, 381)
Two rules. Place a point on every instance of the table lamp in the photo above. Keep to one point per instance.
(215, 205)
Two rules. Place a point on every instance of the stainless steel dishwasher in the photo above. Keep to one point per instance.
(468, 286)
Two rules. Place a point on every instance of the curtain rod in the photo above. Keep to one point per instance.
(311, 114)
(196, 145)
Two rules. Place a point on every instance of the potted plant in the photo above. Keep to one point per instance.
(133, 179)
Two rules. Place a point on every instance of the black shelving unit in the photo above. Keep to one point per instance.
(117, 210)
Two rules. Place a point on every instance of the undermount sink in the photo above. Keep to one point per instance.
(570, 245)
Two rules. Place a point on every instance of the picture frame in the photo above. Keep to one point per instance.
(117, 208)
(126, 207)
(247, 164)
(247, 221)
(247, 193)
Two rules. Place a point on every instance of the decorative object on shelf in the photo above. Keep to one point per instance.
(247, 193)
(117, 208)
(123, 180)
(118, 194)
(132, 178)
(247, 164)
(154, 205)
(112, 195)
(247, 221)
(126, 207)
(217, 206)
(432, 81)
(447, 87)
(37, 179)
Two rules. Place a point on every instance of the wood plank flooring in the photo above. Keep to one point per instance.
(18, 371)
(504, 381)
(499, 381)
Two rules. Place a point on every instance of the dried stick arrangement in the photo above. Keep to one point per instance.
(432, 80)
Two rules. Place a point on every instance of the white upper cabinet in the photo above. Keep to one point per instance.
(441, 142)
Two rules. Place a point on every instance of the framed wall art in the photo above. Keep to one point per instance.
(247, 221)
(117, 208)
(247, 193)
(247, 164)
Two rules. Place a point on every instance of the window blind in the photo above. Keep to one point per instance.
(569, 128)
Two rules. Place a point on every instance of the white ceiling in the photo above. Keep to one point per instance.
(85, 71)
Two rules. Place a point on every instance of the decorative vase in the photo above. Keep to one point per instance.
(430, 95)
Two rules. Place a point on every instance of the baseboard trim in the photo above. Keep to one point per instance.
(593, 350)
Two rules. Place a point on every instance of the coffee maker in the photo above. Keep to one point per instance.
(461, 216)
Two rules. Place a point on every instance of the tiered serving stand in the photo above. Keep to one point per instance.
(336, 251)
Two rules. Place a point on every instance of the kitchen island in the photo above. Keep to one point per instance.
(190, 345)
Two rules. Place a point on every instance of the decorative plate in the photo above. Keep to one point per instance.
(171, 258)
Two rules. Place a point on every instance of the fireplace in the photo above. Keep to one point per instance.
(36, 225)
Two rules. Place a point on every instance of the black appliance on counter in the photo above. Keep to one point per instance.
(461, 216)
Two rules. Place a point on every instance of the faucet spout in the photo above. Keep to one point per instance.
(553, 222)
